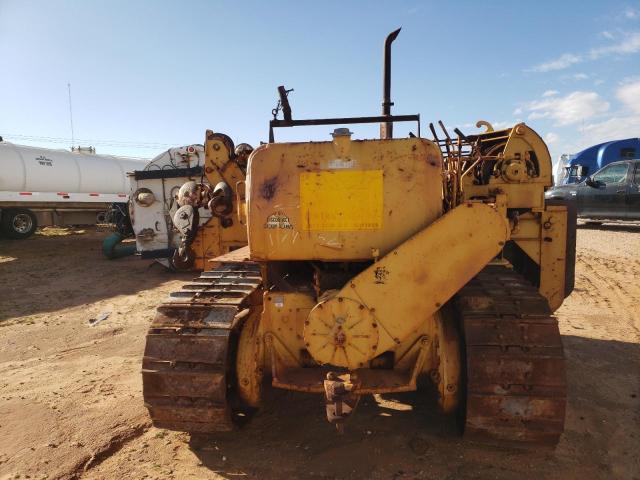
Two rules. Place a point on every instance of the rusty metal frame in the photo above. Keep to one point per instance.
(370, 381)
(341, 121)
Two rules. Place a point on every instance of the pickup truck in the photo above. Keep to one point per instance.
(612, 193)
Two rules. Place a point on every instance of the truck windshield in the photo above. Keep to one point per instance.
(576, 171)
(612, 173)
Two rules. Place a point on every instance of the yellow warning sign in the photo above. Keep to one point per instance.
(344, 200)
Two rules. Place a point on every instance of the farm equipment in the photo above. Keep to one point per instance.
(372, 264)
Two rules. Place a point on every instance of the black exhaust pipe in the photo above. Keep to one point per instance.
(386, 129)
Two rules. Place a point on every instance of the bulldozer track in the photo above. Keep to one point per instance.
(187, 368)
(515, 368)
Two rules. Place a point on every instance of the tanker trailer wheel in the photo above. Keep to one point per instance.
(18, 223)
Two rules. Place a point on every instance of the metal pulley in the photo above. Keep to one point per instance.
(185, 220)
(221, 200)
(242, 151)
(190, 194)
(200, 195)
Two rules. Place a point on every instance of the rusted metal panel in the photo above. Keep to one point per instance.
(185, 414)
(504, 332)
(516, 380)
(185, 384)
(365, 380)
(210, 349)
(495, 371)
(311, 380)
(177, 383)
(515, 418)
(197, 316)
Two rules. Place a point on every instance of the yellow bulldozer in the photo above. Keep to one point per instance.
(372, 264)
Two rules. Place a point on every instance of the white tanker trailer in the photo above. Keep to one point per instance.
(58, 186)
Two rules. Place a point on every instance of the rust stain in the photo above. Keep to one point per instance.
(269, 188)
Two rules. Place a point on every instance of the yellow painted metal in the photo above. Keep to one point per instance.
(341, 200)
(553, 255)
(542, 236)
(283, 317)
(212, 239)
(526, 234)
(381, 201)
(519, 145)
(447, 375)
(343, 333)
(277, 207)
(250, 361)
(409, 284)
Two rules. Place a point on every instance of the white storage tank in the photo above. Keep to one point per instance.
(31, 169)
(40, 186)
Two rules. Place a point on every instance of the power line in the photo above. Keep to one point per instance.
(104, 143)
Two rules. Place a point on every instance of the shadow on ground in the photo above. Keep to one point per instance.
(611, 227)
(33, 281)
(404, 437)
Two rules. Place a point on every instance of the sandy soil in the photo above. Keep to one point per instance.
(71, 402)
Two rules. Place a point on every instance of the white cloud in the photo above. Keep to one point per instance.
(614, 128)
(517, 111)
(631, 13)
(606, 34)
(501, 125)
(550, 93)
(560, 63)
(570, 109)
(574, 77)
(629, 94)
(551, 137)
(628, 45)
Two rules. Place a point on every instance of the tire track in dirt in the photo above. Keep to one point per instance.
(106, 450)
(606, 294)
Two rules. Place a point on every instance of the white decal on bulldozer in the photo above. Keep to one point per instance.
(278, 220)
(342, 163)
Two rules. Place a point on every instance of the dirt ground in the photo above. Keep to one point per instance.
(71, 402)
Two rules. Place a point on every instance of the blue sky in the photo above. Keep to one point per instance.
(154, 74)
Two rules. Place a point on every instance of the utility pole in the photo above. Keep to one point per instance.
(73, 142)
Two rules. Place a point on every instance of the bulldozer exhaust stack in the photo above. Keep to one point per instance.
(386, 128)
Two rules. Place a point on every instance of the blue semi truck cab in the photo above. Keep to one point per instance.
(575, 168)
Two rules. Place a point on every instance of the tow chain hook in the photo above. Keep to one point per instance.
(340, 398)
